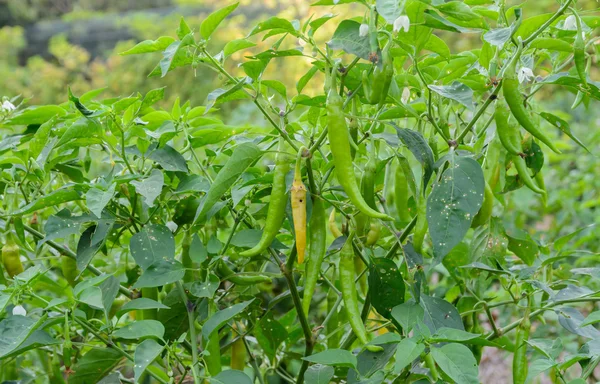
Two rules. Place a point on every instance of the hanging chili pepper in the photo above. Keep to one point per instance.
(11, 257)
(377, 86)
(485, 212)
(353, 127)
(521, 167)
(401, 194)
(276, 211)
(340, 148)
(298, 195)
(238, 353)
(515, 101)
(240, 278)
(333, 228)
(69, 270)
(509, 134)
(67, 346)
(520, 367)
(350, 296)
(317, 248)
(213, 359)
(186, 260)
(332, 326)
(539, 180)
(421, 226)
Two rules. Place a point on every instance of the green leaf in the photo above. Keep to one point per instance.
(445, 335)
(522, 245)
(318, 23)
(453, 203)
(390, 9)
(51, 199)
(242, 157)
(81, 128)
(563, 126)
(368, 363)
(440, 314)
(455, 91)
(406, 352)
(96, 199)
(36, 115)
(347, 38)
(141, 329)
(140, 303)
(270, 334)
(183, 29)
(217, 320)
(153, 243)
(489, 241)
(204, 288)
(457, 361)
(386, 280)
(334, 358)
(147, 46)
(161, 272)
(231, 376)
(144, 355)
(551, 44)
(408, 314)
(318, 374)
(274, 23)
(236, 45)
(152, 97)
(91, 241)
(499, 36)
(531, 24)
(420, 149)
(171, 52)
(40, 138)
(437, 45)
(37, 339)
(14, 330)
(151, 187)
(212, 21)
(169, 158)
(175, 319)
(538, 366)
(458, 10)
(94, 365)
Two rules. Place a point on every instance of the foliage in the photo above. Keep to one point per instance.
(130, 220)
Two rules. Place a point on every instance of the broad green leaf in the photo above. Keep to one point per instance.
(408, 314)
(237, 45)
(592, 318)
(171, 52)
(40, 138)
(147, 46)
(96, 199)
(538, 366)
(183, 28)
(231, 376)
(444, 335)
(347, 38)
(453, 203)
(418, 146)
(14, 330)
(144, 355)
(152, 97)
(563, 126)
(437, 45)
(223, 94)
(438, 313)
(522, 245)
(81, 128)
(110, 290)
(318, 374)
(458, 10)
(175, 319)
(61, 225)
(159, 273)
(91, 296)
(571, 320)
(169, 159)
(390, 9)
(204, 288)
(141, 329)
(36, 115)
(386, 280)
(87, 247)
(455, 91)
(153, 243)
(37, 339)
(334, 358)
(274, 23)
(551, 44)
(457, 361)
(318, 23)
(151, 187)
(270, 334)
(212, 21)
(531, 24)
(217, 320)
(498, 37)
(94, 365)
(141, 303)
(53, 198)
(368, 363)
(406, 352)
(242, 157)
(489, 241)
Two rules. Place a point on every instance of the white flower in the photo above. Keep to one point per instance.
(301, 42)
(570, 23)
(19, 310)
(525, 74)
(402, 23)
(172, 226)
(363, 30)
(405, 95)
(8, 106)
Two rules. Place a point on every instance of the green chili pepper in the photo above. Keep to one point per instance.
(377, 87)
(485, 212)
(69, 270)
(539, 180)
(520, 367)
(509, 134)
(241, 278)
(213, 359)
(579, 51)
(340, 148)
(515, 101)
(87, 161)
(353, 127)
(367, 186)
(238, 353)
(524, 175)
(332, 327)
(186, 260)
(276, 211)
(317, 247)
(421, 226)
(350, 296)
(11, 257)
(373, 43)
(298, 202)
(67, 345)
(401, 194)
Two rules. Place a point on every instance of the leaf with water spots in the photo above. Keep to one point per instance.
(145, 354)
(454, 201)
(155, 242)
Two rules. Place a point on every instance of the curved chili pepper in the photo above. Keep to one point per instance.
(276, 211)
(373, 234)
(238, 353)
(298, 195)
(509, 134)
(485, 212)
(353, 127)
(367, 186)
(332, 326)
(69, 270)
(316, 252)
(421, 226)
(377, 86)
(241, 278)
(401, 194)
(579, 51)
(539, 180)
(520, 367)
(521, 167)
(213, 359)
(350, 296)
(333, 228)
(515, 101)
(340, 148)
(11, 257)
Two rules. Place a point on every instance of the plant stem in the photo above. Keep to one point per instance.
(479, 112)
(547, 23)
(193, 337)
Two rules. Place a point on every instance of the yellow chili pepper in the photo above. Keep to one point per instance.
(333, 228)
(298, 194)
